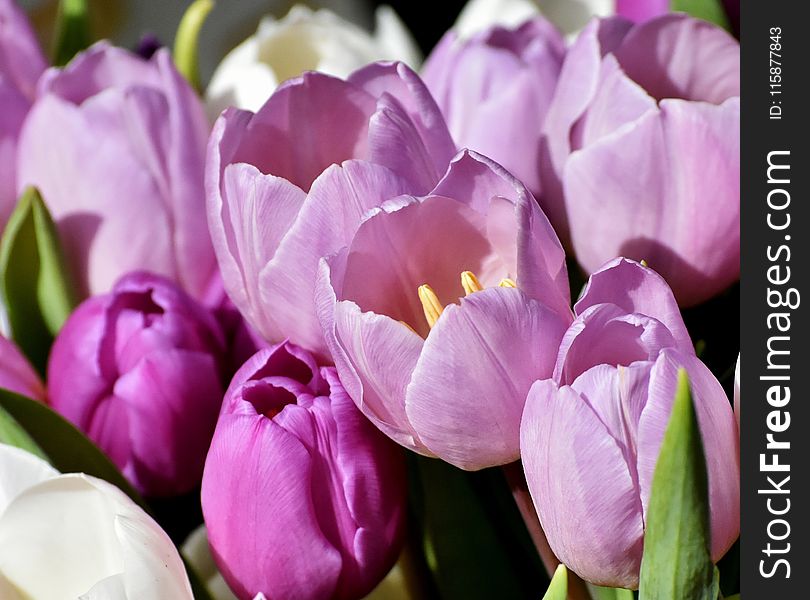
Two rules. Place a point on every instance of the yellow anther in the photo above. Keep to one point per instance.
(408, 326)
(506, 282)
(470, 283)
(643, 263)
(430, 304)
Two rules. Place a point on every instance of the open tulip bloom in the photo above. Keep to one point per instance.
(316, 319)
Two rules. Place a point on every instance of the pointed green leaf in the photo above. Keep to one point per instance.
(558, 588)
(72, 31)
(67, 448)
(708, 10)
(12, 434)
(677, 563)
(187, 39)
(606, 593)
(33, 280)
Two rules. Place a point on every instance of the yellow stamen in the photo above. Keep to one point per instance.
(430, 304)
(470, 283)
(643, 263)
(506, 282)
(408, 326)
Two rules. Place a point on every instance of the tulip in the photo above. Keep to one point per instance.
(290, 183)
(304, 40)
(640, 115)
(301, 496)
(116, 145)
(591, 435)
(494, 90)
(75, 536)
(568, 15)
(139, 370)
(16, 374)
(21, 64)
(442, 374)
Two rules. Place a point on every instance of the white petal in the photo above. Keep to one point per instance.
(19, 470)
(393, 39)
(478, 15)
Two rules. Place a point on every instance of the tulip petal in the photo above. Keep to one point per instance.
(677, 56)
(575, 468)
(469, 386)
(646, 181)
(334, 207)
(279, 468)
(642, 10)
(720, 440)
(19, 470)
(606, 334)
(16, 374)
(636, 289)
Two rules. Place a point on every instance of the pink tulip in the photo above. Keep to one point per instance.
(140, 371)
(303, 499)
(16, 374)
(590, 436)
(495, 89)
(643, 114)
(440, 373)
(290, 184)
(21, 64)
(116, 145)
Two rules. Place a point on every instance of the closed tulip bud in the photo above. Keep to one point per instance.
(444, 309)
(139, 370)
(75, 536)
(590, 436)
(21, 64)
(641, 114)
(16, 374)
(302, 497)
(304, 40)
(116, 145)
(494, 90)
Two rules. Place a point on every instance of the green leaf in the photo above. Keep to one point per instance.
(67, 448)
(606, 593)
(558, 589)
(734, 597)
(12, 434)
(708, 10)
(676, 562)
(72, 31)
(198, 589)
(33, 280)
(186, 40)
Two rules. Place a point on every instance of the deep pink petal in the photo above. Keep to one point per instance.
(579, 482)
(469, 386)
(16, 374)
(641, 10)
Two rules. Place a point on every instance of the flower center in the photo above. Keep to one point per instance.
(433, 308)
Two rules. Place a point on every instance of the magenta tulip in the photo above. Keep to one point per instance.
(302, 497)
(591, 435)
(290, 184)
(140, 371)
(440, 373)
(21, 64)
(116, 145)
(16, 374)
(495, 89)
(641, 114)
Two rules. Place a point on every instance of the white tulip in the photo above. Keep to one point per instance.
(75, 536)
(568, 15)
(304, 41)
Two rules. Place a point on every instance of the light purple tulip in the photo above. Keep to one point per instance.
(642, 151)
(116, 145)
(290, 184)
(495, 89)
(452, 383)
(302, 497)
(16, 374)
(21, 64)
(591, 435)
(140, 371)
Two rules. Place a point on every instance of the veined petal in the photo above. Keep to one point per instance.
(579, 482)
(469, 386)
